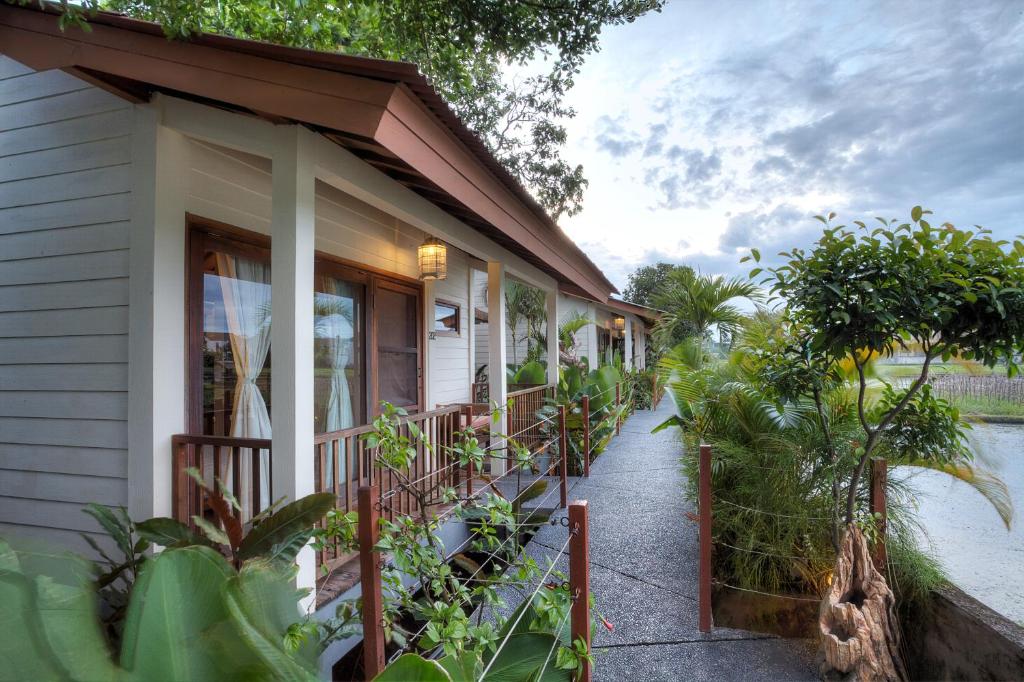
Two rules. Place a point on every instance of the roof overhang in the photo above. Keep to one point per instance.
(384, 112)
(648, 314)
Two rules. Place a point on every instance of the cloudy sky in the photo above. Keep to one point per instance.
(716, 126)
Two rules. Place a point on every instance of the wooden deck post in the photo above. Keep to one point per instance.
(704, 568)
(369, 566)
(586, 436)
(563, 451)
(579, 580)
(879, 475)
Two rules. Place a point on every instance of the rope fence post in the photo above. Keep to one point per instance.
(563, 451)
(579, 581)
(586, 436)
(704, 569)
(618, 406)
(370, 565)
(879, 476)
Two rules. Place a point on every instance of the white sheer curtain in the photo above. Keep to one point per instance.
(335, 325)
(245, 286)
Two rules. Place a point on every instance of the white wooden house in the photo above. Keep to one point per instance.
(149, 188)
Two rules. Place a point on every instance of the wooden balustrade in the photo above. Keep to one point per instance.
(524, 421)
(234, 461)
(343, 463)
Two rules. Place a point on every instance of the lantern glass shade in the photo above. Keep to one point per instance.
(620, 323)
(433, 259)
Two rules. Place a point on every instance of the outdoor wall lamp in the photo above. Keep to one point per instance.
(620, 323)
(433, 259)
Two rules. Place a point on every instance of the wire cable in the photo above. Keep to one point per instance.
(523, 612)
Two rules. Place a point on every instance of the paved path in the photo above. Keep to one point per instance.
(644, 572)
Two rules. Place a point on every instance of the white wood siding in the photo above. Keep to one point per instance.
(65, 195)
(448, 364)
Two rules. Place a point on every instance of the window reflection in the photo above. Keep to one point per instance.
(339, 383)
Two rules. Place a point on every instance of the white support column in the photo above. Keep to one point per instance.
(292, 237)
(592, 337)
(497, 357)
(641, 349)
(628, 351)
(470, 331)
(428, 343)
(156, 298)
(553, 320)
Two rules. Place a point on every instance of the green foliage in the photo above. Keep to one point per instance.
(954, 293)
(648, 281)
(861, 293)
(692, 303)
(599, 385)
(531, 373)
(190, 616)
(524, 303)
(639, 386)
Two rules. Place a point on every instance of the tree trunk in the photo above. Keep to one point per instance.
(859, 634)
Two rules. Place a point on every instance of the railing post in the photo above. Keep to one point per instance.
(879, 475)
(579, 580)
(704, 569)
(586, 436)
(372, 593)
(618, 406)
(563, 451)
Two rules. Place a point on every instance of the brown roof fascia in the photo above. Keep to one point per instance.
(339, 92)
(634, 309)
(259, 84)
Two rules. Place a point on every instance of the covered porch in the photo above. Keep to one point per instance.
(355, 320)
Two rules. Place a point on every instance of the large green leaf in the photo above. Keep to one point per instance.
(262, 606)
(50, 624)
(176, 602)
(521, 657)
(413, 668)
(530, 373)
(463, 668)
(284, 527)
(169, 533)
(601, 387)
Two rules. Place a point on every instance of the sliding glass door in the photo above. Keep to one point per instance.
(367, 338)
(397, 330)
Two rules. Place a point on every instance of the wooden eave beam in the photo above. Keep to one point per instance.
(315, 96)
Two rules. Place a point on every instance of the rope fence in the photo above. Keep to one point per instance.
(706, 540)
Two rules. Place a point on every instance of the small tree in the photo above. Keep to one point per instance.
(859, 294)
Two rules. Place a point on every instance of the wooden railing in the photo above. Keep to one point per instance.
(343, 463)
(235, 461)
(524, 423)
(480, 392)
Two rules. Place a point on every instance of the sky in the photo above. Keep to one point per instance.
(714, 127)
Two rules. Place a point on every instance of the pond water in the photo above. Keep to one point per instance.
(966, 534)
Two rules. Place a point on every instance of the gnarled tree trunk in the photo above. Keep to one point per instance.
(859, 634)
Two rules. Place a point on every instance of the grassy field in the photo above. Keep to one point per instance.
(987, 396)
(896, 371)
(989, 406)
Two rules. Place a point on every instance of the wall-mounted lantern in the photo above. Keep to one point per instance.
(620, 323)
(433, 259)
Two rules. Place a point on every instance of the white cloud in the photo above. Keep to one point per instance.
(712, 126)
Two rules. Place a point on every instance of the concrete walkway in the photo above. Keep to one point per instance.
(643, 572)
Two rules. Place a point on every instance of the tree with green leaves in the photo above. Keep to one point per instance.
(859, 294)
(463, 47)
(647, 281)
(692, 303)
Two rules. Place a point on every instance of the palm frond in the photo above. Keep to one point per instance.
(990, 486)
